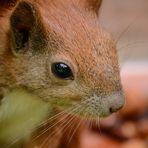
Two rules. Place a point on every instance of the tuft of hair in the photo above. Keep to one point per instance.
(7, 5)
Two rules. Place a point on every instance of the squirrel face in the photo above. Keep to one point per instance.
(60, 53)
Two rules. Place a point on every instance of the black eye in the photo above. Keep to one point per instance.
(62, 71)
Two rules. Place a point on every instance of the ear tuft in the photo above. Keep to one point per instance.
(6, 4)
(92, 5)
(95, 5)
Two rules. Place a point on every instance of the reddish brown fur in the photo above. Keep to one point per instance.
(77, 34)
(74, 36)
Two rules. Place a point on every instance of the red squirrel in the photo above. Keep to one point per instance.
(54, 59)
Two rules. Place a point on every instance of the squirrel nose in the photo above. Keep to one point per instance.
(118, 103)
(115, 109)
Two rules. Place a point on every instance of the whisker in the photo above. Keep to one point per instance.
(127, 28)
(74, 124)
(47, 129)
(80, 122)
(13, 141)
(56, 123)
(52, 134)
(99, 125)
(132, 44)
(64, 126)
(53, 117)
(71, 116)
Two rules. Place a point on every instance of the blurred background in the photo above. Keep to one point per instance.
(127, 21)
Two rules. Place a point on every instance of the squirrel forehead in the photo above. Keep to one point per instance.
(81, 39)
(75, 28)
(71, 23)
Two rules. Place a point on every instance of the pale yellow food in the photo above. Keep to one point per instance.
(20, 114)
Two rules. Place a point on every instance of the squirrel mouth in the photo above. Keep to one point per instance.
(98, 106)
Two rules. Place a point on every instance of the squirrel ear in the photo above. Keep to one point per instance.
(92, 5)
(25, 27)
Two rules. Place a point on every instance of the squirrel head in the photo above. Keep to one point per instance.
(58, 51)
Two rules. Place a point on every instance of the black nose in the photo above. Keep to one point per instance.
(115, 109)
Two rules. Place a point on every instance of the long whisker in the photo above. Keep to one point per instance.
(74, 124)
(53, 117)
(79, 124)
(12, 143)
(69, 111)
(99, 125)
(71, 117)
(127, 28)
(63, 128)
(53, 133)
(50, 127)
(18, 138)
(56, 123)
(132, 44)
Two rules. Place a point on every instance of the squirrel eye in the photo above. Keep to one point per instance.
(62, 71)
